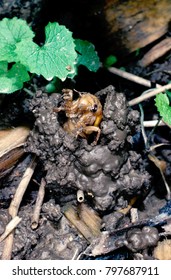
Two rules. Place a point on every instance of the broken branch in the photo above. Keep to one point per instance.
(10, 227)
(131, 77)
(150, 94)
(15, 204)
(39, 201)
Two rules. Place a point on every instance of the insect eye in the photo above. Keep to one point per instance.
(94, 108)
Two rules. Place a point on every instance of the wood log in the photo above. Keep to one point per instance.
(128, 25)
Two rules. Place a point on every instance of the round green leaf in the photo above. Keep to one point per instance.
(87, 55)
(162, 104)
(13, 79)
(12, 31)
(55, 58)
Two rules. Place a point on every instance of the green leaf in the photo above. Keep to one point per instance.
(110, 60)
(54, 86)
(3, 67)
(168, 92)
(137, 52)
(162, 103)
(13, 79)
(55, 58)
(87, 55)
(12, 31)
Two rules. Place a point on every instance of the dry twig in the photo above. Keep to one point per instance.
(134, 215)
(15, 204)
(80, 196)
(128, 208)
(161, 165)
(153, 123)
(152, 93)
(39, 201)
(131, 77)
(10, 227)
(140, 81)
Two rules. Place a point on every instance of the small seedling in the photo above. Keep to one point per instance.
(110, 60)
(59, 56)
(163, 106)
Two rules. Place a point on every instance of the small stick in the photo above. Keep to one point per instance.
(128, 208)
(131, 77)
(148, 95)
(38, 205)
(10, 227)
(134, 215)
(140, 81)
(153, 123)
(80, 196)
(142, 125)
(161, 165)
(15, 204)
(153, 147)
(76, 254)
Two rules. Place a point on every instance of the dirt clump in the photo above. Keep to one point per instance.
(107, 173)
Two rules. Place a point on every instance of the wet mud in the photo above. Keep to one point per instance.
(108, 172)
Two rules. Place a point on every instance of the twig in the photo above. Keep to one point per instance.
(76, 254)
(134, 215)
(29, 92)
(168, 195)
(161, 165)
(140, 81)
(10, 227)
(80, 196)
(39, 201)
(153, 147)
(128, 208)
(131, 77)
(152, 93)
(142, 125)
(15, 204)
(153, 123)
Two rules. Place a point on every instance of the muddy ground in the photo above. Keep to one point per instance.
(104, 201)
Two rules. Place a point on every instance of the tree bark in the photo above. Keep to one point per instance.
(135, 24)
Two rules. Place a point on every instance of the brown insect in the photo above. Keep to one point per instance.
(84, 114)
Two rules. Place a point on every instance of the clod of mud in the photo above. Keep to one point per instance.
(138, 239)
(108, 172)
(54, 239)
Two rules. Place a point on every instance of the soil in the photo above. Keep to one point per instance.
(124, 195)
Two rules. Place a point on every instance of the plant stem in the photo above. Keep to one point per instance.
(131, 77)
(10, 227)
(39, 201)
(152, 93)
(15, 204)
